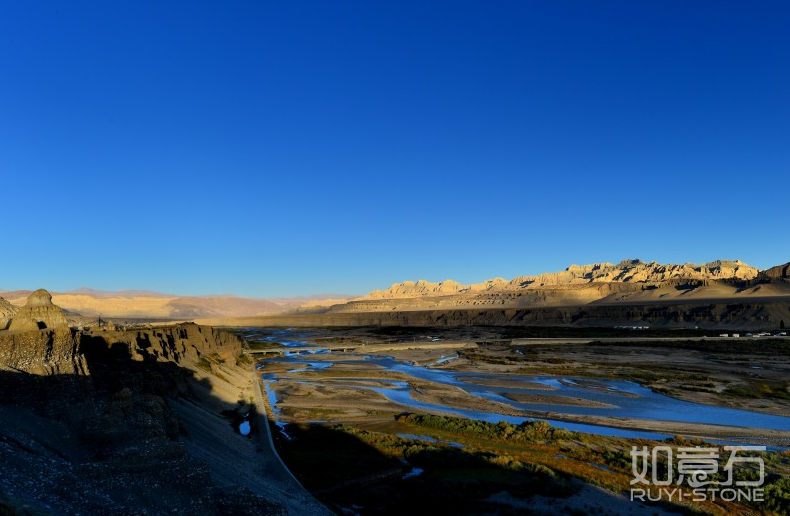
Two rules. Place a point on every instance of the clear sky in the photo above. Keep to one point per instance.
(272, 148)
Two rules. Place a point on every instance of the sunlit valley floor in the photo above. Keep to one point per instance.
(514, 421)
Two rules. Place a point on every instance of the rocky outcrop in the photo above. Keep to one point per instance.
(47, 352)
(167, 344)
(721, 294)
(38, 313)
(780, 272)
(7, 311)
(758, 315)
(637, 271)
(575, 286)
(561, 295)
(113, 422)
(627, 271)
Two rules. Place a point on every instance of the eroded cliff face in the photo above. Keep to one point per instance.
(756, 315)
(44, 352)
(561, 295)
(7, 311)
(168, 344)
(780, 272)
(579, 276)
(577, 285)
(64, 351)
(90, 423)
(38, 313)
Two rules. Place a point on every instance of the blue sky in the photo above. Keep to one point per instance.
(287, 148)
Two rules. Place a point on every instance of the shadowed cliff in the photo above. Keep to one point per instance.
(756, 314)
(128, 423)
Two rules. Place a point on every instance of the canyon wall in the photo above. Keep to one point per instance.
(758, 315)
(126, 423)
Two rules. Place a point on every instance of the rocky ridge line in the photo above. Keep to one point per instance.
(123, 422)
(627, 271)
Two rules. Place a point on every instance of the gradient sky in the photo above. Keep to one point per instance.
(283, 148)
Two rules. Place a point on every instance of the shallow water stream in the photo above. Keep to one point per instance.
(612, 398)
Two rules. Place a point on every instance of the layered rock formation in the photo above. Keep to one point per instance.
(48, 352)
(637, 271)
(38, 313)
(576, 285)
(627, 271)
(131, 423)
(746, 316)
(780, 272)
(7, 311)
(726, 294)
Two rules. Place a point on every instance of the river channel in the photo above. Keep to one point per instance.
(595, 397)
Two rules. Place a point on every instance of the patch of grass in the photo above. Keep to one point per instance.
(777, 497)
(528, 431)
(263, 344)
(762, 346)
(243, 360)
(322, 413)
(759, 390)
(216, 358)
(204, 363)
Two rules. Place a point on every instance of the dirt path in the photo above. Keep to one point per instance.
(281, 478)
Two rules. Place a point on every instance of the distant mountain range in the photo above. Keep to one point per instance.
(628, 283)
(627, 271)
(146, 304)
(632, 293)
(632, 280)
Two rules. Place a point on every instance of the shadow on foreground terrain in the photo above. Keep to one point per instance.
(115, 437)
(346, 472)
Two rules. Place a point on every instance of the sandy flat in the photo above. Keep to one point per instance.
(515, 383)
(523, 397)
